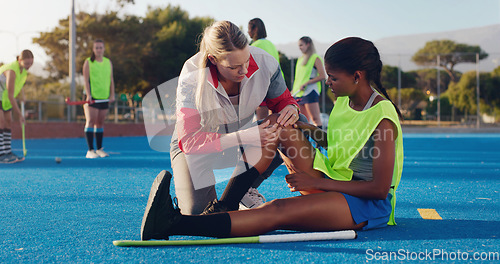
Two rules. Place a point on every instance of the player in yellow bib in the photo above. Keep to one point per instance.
(258, 33)
(99, 85)
(12, 79)
(309, 72)
(352, 187)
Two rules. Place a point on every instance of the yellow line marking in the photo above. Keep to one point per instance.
(429, 214)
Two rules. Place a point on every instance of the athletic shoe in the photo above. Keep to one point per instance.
(160, 214)
(215, 206)
(101, 153)
(8, 159)
(11, 155)
(19, 159)
(91, 154)
(252, 199)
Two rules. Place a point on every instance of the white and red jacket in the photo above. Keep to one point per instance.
(263, 82)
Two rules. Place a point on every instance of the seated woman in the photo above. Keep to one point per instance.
(353, 187)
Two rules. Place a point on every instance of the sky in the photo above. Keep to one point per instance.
(286, 20)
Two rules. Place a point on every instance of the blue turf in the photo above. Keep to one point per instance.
(72, 211)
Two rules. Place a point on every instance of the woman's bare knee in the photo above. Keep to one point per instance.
(275, 207)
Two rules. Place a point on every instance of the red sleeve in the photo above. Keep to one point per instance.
(277, 104)
(190, 140)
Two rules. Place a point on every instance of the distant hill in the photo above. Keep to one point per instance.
(394, 49)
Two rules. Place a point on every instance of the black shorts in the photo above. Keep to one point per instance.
(1, 107)
(100, 106)
(312, 97)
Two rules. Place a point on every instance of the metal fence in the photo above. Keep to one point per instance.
(56, 110)
(404, 63)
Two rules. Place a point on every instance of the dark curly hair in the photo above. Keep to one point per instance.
(356, 54)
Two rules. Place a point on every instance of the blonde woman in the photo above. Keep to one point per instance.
(218, 91)
(309, 72)
(12, 79)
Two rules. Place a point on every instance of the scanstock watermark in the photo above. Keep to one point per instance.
(433, 254)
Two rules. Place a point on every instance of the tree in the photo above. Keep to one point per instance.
(39, 88)
(145, 51)
(124, 40)
(451, 54)
(124, 2)
(173, 39)
(491, 94)
(463, 93)
(389, 77)
(426, 80)
(410, 98)
(445, 106)
(496, 72)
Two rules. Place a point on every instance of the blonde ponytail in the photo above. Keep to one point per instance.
(218, 40)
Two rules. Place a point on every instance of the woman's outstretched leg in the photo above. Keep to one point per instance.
(326, 211)
(316, 212)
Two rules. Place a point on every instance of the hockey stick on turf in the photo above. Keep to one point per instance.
(293, 237)
(69, 102)
(25, 151)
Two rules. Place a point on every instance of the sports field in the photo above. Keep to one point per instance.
(72, 211)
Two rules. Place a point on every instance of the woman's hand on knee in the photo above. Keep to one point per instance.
(288, 116)
(301, 182)
(262, 135)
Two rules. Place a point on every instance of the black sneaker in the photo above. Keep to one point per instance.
(8, 158)
(160, 213)
(14, 156)
(215, 206)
